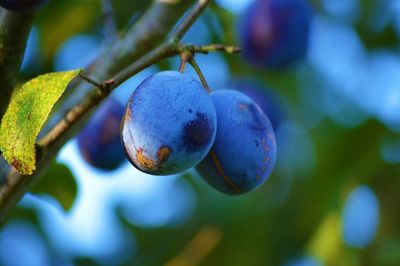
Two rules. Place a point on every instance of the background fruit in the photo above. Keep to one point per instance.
(244, 151)
(274, 33)
(100, 142)
(169, 124)
(22, 5)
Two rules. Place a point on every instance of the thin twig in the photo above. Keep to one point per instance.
(91, 81)
(110, 28)
(188, 21)
(205, 49)
(184, 56)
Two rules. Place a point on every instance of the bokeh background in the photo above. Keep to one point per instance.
(333, 198)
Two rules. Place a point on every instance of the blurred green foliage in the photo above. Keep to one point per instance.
(291, 215)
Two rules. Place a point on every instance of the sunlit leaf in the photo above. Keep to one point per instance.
(25, 116)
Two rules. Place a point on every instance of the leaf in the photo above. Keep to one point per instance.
(58, 182)
(25, 116)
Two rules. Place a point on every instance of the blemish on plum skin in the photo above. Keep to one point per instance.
(190, 110)
(242, 106)
(264, 145)
(145, 161)
(128, 114)
(163, 154)
(197, 132)
(257, 123)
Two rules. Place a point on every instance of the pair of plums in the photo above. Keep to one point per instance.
(171, 124)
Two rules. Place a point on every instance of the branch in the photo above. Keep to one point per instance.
(147, 33)
(14, 32)
(110, 28)
(164, 51)
(188, 21)
(143, 37)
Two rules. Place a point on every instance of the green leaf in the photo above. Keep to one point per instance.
(58, 182)
(25, 116)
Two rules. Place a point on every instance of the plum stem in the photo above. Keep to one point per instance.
(196, 67)
(184, 59)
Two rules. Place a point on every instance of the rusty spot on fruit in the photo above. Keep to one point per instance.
(265, 145)
(128, 114)
(221, 171)
(242, 106)
(145, 161)
(163, 154)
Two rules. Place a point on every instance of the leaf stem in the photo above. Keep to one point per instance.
(89, 80)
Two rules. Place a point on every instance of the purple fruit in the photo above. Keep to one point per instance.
(22, 6)
(244, 151)
(275, 33)
(169, 124)
(100, 141)
(265, 98)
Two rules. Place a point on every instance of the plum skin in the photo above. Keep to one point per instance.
(244, 152)
(22, 5)
(169, 124)
(275, 33)
(99, 142)
(265, 98)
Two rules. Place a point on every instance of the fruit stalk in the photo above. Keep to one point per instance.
(196, 68)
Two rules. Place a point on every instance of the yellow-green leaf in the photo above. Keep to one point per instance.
(25, 116)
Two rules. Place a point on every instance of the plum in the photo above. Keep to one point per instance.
(244, 151)
(99, 142)
(264, 97)
(169, 124)
(274, 33)
(22, 6)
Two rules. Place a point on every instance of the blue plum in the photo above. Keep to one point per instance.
(169, 124)
(99, 142)
(22, 6)
(265, 98)
(274, 33)
(244, 151)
